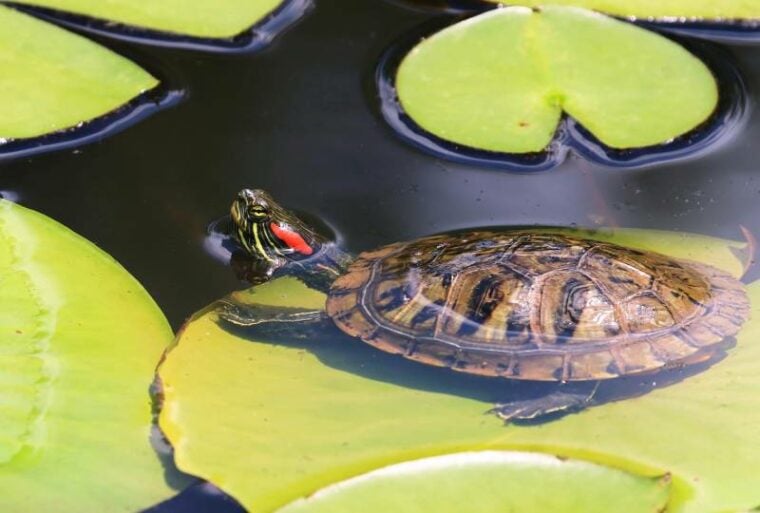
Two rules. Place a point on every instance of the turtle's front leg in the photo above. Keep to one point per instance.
(557, 402)
(271, 319)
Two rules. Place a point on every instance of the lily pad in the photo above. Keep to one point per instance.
(272, 421)
(79, 340)
(210, 19)
(490, 482)
(90, 80)
(717, 10)
(501, 81)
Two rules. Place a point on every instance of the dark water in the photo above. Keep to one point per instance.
(301, 119)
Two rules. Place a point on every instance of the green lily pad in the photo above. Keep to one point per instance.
(490, 482)
(718, 10)
(89, 80)
(272, 421)
(500, 81)
(79, 341)
(204, 18)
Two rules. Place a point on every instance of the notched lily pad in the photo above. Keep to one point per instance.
(271, 421)
(56, 82)
(207, 25)
(494, 88)
(490, 482)
(79, 340)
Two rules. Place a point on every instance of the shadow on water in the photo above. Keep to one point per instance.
(200, 497)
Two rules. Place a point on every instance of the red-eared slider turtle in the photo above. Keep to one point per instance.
(516, 304)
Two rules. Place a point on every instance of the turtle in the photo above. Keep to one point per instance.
(519, 304)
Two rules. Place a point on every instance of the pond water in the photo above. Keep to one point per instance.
(302, 120)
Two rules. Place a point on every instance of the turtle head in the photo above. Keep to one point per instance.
(269, 232)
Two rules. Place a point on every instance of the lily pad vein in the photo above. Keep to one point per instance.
(28, 311)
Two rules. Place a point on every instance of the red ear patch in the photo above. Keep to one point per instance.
(293, 240)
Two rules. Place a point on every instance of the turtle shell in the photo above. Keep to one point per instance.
(537, 305)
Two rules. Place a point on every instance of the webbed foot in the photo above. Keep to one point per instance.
(557, 402)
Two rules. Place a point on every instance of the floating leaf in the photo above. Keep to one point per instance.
(79, 339)
(490, 482)
(718, 10)
(205, 18)
(53, 79)
(500, 81)
(272, 421)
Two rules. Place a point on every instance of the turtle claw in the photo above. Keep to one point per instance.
(537, 409)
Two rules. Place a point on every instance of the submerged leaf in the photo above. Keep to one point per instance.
(204, 18)
(490, 482)
(270, 421)
(53, 79)
(79, 339)
(717, 10)
(500, 81)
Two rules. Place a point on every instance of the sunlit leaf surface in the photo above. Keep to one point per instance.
(501, 81)
(201, 18)
(53, 79)
(270, 421)
(694, 9)
(79, 340)
(490, 482)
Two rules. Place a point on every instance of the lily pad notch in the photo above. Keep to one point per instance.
(444, 82)
(247, 33)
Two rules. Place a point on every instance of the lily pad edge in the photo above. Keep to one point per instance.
(729, 30)
(252, 39)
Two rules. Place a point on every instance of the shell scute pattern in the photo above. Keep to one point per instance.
(536, 306)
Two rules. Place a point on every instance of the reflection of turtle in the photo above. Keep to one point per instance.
(516, 304)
